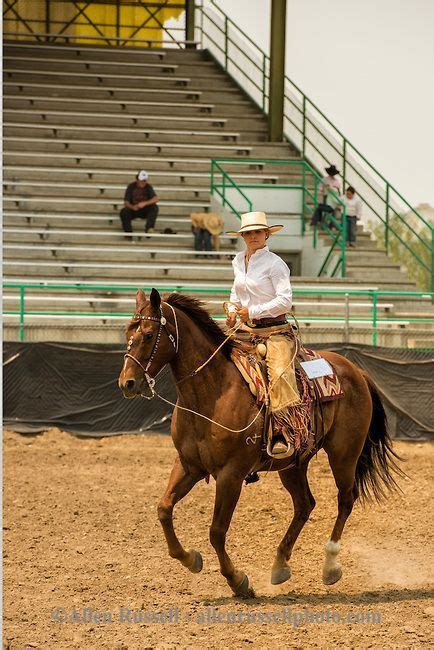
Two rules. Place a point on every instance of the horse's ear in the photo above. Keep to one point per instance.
(140, 297)
(155, 299)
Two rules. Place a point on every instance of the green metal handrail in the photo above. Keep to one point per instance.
(374, 294)
(221, 189)
(340, 145)
(338, 240)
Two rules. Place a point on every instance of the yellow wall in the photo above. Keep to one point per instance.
(97, 13)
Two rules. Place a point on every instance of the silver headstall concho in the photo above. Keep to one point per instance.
(163, 322)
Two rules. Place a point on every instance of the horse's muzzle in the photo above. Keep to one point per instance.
(131, 387)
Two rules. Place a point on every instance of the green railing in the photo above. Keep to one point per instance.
(403, 230)
(374, 321)
(222, 184)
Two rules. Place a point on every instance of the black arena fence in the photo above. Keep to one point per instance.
(74, 387)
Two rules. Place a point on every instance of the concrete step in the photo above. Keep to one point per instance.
(368, 258)
(69, 51)
(130, 271)
(100, 236)
(84, 145)
(74, 118)
(176, 218)
(13, 173)
(121, 162)
(103, 75)
(41, 189)
(88, 62)
(77, 205)
(124, 252)
(118, 89)
(112, 87)
(127, 105)
(124, 110)
(136, 134)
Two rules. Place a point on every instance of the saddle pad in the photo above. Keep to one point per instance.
(329, 386)
(252, 374)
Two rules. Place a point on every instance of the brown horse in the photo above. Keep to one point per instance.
(225, 440)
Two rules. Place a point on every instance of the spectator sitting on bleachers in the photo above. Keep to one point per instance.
(140, 202)
(206, 225)
(329, 187)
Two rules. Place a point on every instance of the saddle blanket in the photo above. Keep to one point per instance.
(328, 387)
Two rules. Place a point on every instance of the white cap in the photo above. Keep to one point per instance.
(142, 175)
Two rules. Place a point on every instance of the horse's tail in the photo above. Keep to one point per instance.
(376, 468)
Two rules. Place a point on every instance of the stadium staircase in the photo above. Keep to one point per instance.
(79, 121)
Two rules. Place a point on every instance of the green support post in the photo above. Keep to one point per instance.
(374, 318)
(304, 126)
(315, 203)
(189, 22)
(344, 164)
(344, 241)
(21, 330)
(212, 178)
(277, 70)
(386, 226)
(303, 213)
(432, 263)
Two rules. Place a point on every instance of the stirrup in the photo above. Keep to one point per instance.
(289, 451)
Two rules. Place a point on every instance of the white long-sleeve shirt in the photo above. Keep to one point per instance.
(265, 289)
(353, 206)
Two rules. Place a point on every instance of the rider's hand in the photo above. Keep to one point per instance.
(231, 320)
(243, 313)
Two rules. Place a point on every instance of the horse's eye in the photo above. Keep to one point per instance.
(149, 336)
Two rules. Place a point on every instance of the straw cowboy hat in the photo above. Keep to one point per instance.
(213, 222)
(254, 221)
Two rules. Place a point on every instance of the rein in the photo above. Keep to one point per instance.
(151, 380)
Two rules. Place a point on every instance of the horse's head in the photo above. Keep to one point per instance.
(152, 341)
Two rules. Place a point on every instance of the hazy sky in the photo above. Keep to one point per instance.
(369, 65)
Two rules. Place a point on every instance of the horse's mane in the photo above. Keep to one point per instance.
(196, 310)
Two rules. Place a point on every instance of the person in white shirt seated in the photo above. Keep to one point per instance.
(261, 291)
(353, 205)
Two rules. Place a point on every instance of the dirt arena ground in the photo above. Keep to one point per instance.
(82, 541)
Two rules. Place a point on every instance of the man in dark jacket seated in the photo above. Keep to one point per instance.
(140, 202)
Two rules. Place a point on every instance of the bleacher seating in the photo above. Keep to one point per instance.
(79, 121)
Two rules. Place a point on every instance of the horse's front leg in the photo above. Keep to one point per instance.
(180, 483)
(295, 481)
(228, 489)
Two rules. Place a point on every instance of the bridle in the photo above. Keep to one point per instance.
(175, 342)
(162, 324)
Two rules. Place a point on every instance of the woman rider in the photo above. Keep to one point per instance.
(261, 291)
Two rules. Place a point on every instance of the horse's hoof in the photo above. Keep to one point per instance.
(282, 574)
(244, 590)
(332, 576)
(196, 565)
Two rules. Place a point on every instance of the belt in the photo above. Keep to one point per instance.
(269, 322)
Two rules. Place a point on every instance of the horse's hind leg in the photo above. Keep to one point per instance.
(180, 483)
(343, 468)
(228, 489)
(295, 481)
